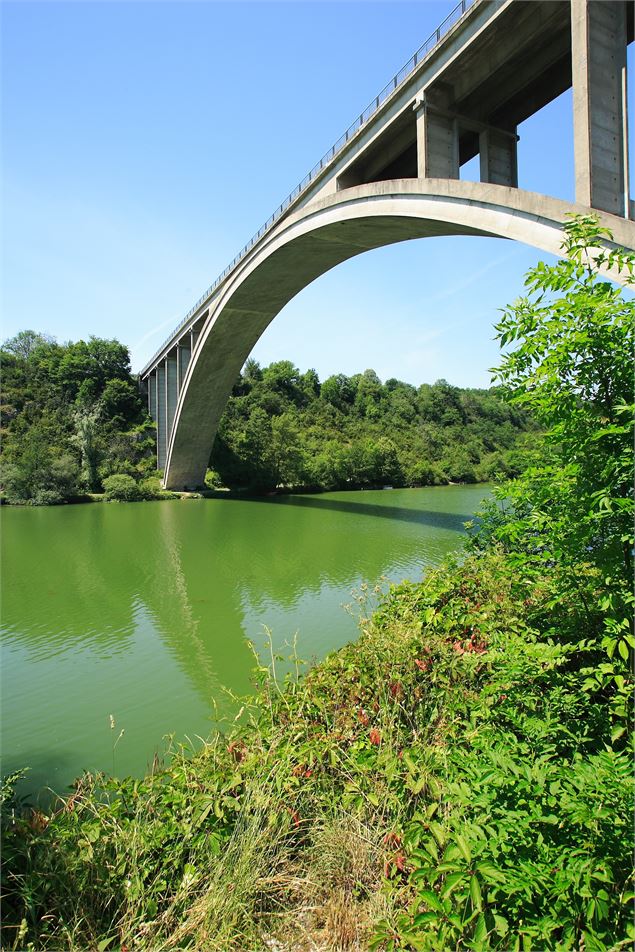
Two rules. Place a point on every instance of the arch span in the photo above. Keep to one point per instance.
(313, 240)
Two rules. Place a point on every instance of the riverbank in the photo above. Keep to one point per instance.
(222, 492)
(444, 782)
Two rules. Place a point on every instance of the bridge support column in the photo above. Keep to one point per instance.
(171, 392)
(437, 141)
(183, 354)
(161, 404)
(498, 157)
(152, 395)
(598, 50)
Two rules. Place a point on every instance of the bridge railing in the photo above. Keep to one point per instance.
(452, 18)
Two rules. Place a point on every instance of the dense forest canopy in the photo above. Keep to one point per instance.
(71, 417)
(73, 422)
(283, 427)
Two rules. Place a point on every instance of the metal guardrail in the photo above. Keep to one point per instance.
(404, 73)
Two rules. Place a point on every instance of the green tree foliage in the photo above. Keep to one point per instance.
(571, 367)
(285, 428)
(71, 415)
(122, 488)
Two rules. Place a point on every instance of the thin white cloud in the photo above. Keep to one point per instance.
(475, 276)
(170, 322)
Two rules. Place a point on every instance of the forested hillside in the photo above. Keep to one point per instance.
(73, 423)
(71, 417)
(283, 427)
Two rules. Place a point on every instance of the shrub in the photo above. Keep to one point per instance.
(122, 488)
(213, 479)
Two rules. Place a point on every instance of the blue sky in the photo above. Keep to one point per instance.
(144, 143)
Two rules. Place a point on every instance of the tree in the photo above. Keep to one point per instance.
(120, 402)
(87, 440)
(26, 342)
(572, 368)
(39, 473)
(570, 517)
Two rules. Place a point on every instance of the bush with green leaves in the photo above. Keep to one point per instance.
(122, 488)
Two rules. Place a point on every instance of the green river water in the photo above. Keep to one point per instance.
(144, 611)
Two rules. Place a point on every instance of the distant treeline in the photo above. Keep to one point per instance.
(285, 428)
(73, 423)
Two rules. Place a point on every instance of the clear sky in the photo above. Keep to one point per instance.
(145, 142)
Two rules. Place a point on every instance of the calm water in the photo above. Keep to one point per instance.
(144, 611)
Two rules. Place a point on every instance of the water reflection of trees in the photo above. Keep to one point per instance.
(73, 576)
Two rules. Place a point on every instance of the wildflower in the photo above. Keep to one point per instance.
(375, 737)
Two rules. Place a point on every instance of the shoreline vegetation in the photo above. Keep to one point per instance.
(458, 778)
(74, 427)
(218, 493)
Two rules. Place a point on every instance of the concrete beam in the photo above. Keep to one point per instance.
(598, 49)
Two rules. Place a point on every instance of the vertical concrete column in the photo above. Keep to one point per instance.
(193, 339)
(161, 416)
(171, 390)
(437, 133)
(499, 157)
(184, 360)
(152, 395)
(598, 50)
(437, 142)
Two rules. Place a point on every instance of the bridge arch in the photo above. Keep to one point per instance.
(316, 238)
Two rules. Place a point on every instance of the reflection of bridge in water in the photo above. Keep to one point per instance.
(200, 576)
(143, 610)
(394, 176)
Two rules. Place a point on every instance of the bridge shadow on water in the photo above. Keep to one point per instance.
(454, 522)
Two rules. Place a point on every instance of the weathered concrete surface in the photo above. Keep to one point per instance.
(315, 239)
(599, 37)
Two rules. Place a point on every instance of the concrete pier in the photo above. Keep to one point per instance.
(598, 56)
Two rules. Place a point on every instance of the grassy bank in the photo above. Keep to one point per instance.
(445, 782)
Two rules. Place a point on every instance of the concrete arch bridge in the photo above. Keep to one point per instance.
(394, 176)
